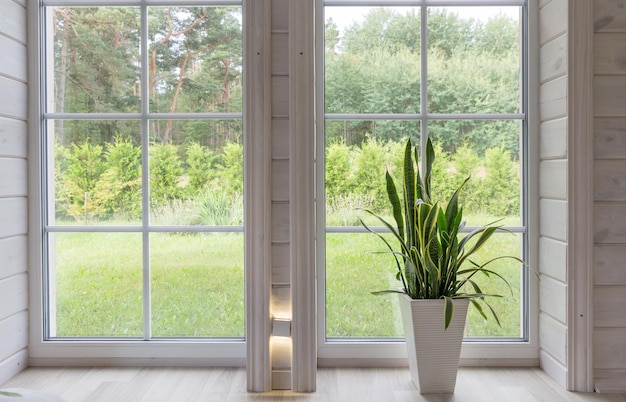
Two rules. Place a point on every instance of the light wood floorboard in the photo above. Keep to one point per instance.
(176, 384)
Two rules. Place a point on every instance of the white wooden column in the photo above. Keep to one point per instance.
(580, 197)
(302, 193)
(257, 168)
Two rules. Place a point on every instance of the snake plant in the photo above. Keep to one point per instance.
(433, 254)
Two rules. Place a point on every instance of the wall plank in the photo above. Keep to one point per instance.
(553, 139)
(280, 138)
(609, 180)
(609, 92)
(553, 337)
(13, 66)
(609, 16)
(13, 99)
(553, 219)
(13, 295)
(280, 56)
(609, 53)
(280, 15)
(552, 258)
(280, 96)
(13, 217)
(14, 334)
(13, 138)
(280, 264)
(609, 264)
(609, 138)
(13, 21)
(280, 222)
(553, 298)
(553, 183)
(280, 180)
(13, 365)
(553, 99)
(552, 20)
(608, 306)
(13, 177)
(609, 346)
(610, 222)
(553, 59)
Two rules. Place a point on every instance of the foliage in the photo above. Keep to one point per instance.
(432, 262)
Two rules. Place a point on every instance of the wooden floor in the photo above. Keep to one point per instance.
(342, 385)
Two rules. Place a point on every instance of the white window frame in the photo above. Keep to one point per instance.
(475, 352)
(181, 351)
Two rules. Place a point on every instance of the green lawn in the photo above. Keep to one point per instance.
(197, 290)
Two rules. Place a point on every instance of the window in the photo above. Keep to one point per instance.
(142, 133)
(418, 70)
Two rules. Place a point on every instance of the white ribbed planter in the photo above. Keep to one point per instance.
(433, 352)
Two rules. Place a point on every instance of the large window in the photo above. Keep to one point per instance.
(455, 75)
(143, 174)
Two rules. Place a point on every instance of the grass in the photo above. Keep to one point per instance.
(196, 286)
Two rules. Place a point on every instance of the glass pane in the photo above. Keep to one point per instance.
(95, 285)
(372, 60)
(508, 308)
(474, 61)
(196, 178)
(489, 153)
(353, 271)
(356, 161)
(195, 59)
(96, 177)
(96, 58)
(197, 284)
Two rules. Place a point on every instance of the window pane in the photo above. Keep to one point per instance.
(372, 60)
(96, 59)
(353, 271)
(95, 285)
(97, 172)
(473, 61)
(197, 284)
(197, 177)
(487, 152)
(195, 59)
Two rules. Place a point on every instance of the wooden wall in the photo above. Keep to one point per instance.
(553, 160)
(609, 194)
(13, 189)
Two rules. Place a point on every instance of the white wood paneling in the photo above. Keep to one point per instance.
(553, 258)
(280, 96)
(609, 95)
(553, 59)
(13, 217)
(553, 183)
(280, 58)
(280, 264)
(14, 334)
(13, 138)
(13, 98)
(280, 15)
(552, 20)
(556, 370)
(553, 298)
(13, 66)
(609, 264)
(610, 222)
(609, 346)
(13, 295)
(553, 337)
(13, 256)
(553, 139)
(280, 222)
(610, 180)
(280, 138)
(280, 180)
(13, 365)
(13, 177)
(553, 99)
(13, 20)
(609, 53)
(553, 219)
(609, 138)
(609, 16)
(608, 306)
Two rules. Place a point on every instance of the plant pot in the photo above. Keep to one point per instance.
(433, 352)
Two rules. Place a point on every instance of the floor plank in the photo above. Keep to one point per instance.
(178, 384)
